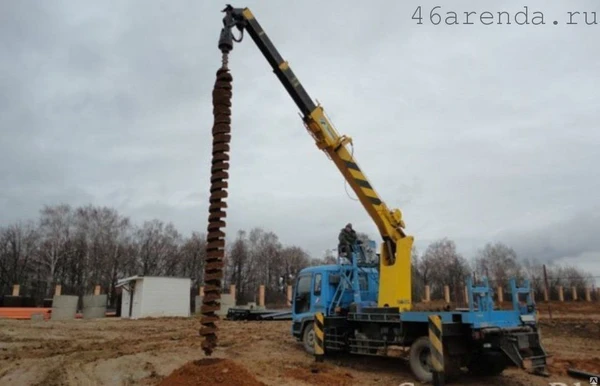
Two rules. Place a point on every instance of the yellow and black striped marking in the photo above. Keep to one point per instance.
(319, 329)
(435, 337)
(361, 181)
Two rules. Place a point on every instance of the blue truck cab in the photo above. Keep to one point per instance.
(318, 289)
(481, 337)
(331, 289)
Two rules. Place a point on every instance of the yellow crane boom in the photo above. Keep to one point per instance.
(395, 260)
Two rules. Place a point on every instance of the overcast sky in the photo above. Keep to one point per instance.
(478, 133)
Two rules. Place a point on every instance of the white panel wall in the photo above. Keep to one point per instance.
(125, 303)
(138, 299)
(137, 288)
(166, 296)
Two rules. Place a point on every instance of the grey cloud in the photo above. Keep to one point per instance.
(575, 236)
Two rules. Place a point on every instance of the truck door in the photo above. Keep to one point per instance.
(319, 302)
(302, 298)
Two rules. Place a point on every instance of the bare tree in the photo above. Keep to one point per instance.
(56, 227)
(294, 259)
(425, 265)
(445, 267)
(193, 252)
(157, 248)
(258, 257)
(499, 263)
(19, 245)
(534, 271)
(329, 257)
(239, 257)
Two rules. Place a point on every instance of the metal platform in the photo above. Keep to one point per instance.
(258, 314)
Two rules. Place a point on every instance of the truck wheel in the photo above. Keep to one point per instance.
(308, 339)
(419, 359)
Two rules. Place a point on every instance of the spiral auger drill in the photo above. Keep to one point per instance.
(215, 248)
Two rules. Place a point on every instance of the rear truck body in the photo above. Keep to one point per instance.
(482, 338)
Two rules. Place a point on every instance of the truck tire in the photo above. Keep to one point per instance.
(419, 359)
(308, 338)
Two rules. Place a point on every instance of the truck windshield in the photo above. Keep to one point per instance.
(303, 285)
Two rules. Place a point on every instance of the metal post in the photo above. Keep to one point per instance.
(547, 292)
(437, 349)
(261, 295)
(319, 330)
(561, 294)
(289, 295)
(447, 294)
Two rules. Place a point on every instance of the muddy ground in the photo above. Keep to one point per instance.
(167, 352)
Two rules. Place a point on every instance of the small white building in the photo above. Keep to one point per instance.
(154, 296)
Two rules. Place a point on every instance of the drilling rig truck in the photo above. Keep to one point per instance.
(364, 306)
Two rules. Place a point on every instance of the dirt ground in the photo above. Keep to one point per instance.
(167, 352)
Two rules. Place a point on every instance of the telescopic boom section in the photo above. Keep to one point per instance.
(395, 266)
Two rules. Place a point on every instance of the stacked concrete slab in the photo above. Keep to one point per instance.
(64, 307)
(94, 306)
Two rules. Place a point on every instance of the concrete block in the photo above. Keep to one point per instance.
(198, 304)
(95, 301)
(227, 299)
(94, 312)
(227, 302)
(37, 317)
(64, 307)
(94, 306)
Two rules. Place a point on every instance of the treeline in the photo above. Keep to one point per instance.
(440, 264)
(86, 246)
